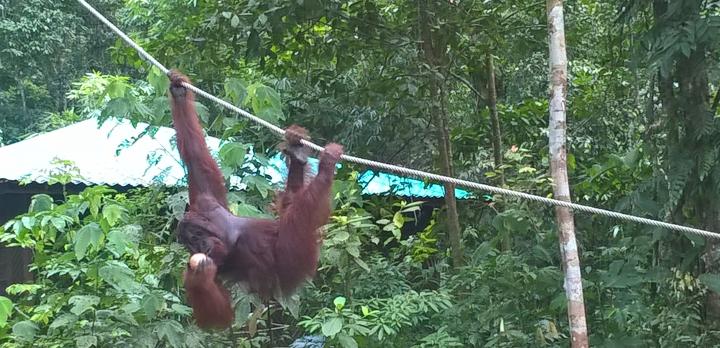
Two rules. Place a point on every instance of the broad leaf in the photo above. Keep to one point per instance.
(233, 154)
(28, 222)
(123, 238)
(25, 330)
(159, 81)
(90, 234)
(17, 289)
(346, 341)
(117, 89)
(151, 304)
(266, 103)
(81, 303)
(86, 341)
(332, 326)
(202, 111)
(258, 182)
(341, 236)
(6, 307)
(339, 303)
(398, 219)
(119, 276)
(63, 320)
(172, 332)
(291, 304)
(113, 213)
(41, 202)
(236, 90)
(185, 310)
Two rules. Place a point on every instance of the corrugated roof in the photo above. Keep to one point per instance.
(104, 155)
(109, 155)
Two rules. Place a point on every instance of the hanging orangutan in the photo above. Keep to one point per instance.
(271, 257)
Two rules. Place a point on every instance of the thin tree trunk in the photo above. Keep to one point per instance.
(446, 156)
(453, 222)
(558, 168)
(494, 120)
(23, 100)
(711, 260)
(432, 48)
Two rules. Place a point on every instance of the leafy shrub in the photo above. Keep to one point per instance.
(101, 277)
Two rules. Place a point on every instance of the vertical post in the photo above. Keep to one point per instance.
(558, 167)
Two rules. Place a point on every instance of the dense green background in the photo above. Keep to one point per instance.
(643, 137)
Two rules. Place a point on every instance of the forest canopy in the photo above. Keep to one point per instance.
(460, 88)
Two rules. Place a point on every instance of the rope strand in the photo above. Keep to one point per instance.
(402, 170)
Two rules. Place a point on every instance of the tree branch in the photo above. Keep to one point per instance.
(467, 83)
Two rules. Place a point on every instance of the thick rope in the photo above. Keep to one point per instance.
(402, 170)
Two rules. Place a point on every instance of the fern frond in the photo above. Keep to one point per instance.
(677, 177)
(707, 162)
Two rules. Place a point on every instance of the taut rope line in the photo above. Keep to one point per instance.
(399, 169)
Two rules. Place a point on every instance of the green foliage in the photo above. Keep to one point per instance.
(6, 307)
(641, 139)
(102, 279)
(105, 96)
(46, 44)
(441, 338)
(377, 322)
(265, 102)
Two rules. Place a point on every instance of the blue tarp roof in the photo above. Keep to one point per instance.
(108, 155)
(379, 183)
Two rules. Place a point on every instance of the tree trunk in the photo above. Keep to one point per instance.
(701, 192)
(445, 152)
(558, 168)
(23, 100)
(494, 120)
(433, 54)
(685, 97)
(711, 259)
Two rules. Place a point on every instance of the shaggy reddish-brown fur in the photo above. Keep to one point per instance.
(270, 256)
